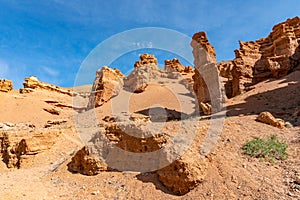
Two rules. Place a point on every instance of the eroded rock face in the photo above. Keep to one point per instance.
(145, 71)
(18, 145)
(271, 57)
(268, 118)
(32, 83)
(184, 174)
(202, 39)
(5, 85)
(107, 84)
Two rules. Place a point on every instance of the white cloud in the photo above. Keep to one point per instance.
(50, 71)
(4, 68)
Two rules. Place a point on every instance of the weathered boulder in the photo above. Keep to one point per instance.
(145, 71)
(85, 162)
(107, 84)
(184, 174)
(272, 57)
(32, 83)
(268, 118)
(5, 85)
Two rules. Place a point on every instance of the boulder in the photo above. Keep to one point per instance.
(107, 84)
(5, 85)
(85, 162)
(184, 174)
(268, 118)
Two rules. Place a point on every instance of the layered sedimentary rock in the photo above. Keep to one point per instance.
(145, 71)
(5, 85)
(272, 57)
(32, 83)
(206, 72)
(175, 65)
(20, 142)
(107, 84)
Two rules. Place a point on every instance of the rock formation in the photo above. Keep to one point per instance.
(145, 59)
(175, 65)
(272, 57)
(268, 118)
(17, 145)
(86, 163)
(206, 72)
(107, 84)
(145, 71)
(5, 85)
(32, 83)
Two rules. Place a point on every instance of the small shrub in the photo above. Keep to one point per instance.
(271, 149)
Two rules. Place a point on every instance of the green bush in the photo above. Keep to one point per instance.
(271, 149)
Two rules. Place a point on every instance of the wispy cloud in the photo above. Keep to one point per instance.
(4, 69)
(50, 71)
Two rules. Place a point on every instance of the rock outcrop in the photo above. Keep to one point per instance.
(18, 146)
(268, 118)
(145, 59)
(175, 65)
(32, 83)
(145, 71)
(5, 85)
(206, 72)
(107, 84)
(272, 57)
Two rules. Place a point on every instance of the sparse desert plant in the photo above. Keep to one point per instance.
(271, 149)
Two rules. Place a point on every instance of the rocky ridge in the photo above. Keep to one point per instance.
(32, 83)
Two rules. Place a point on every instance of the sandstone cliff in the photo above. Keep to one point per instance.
(272, 57)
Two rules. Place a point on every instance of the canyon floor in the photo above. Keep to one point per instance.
(230, 173)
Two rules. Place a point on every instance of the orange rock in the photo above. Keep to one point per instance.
(107, 84)
(32, 83)
(86, 163)
(268, 118)
(5, 85)
(271, 57)
(145, 59)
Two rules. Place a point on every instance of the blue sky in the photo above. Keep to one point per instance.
(51, 38)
